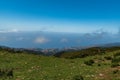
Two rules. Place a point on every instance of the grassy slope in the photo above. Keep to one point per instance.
(34, 67)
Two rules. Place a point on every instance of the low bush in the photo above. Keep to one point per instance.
(115, 71)
(6, 73)
(117, 54)
(78, 77)
(116, 60)
(89, 62)
(108, 57)
(114, 65)
(99, 64)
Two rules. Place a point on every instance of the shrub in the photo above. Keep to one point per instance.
(115, 71)
(6, 73)
(89, 62)
(78, 77)
(99, 64)
(108, 57)
(117, 54)
(115, 65)
(116, 60)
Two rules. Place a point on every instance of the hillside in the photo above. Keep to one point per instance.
(86, 52)
(25, 66)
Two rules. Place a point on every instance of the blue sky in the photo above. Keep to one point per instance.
(80, 16)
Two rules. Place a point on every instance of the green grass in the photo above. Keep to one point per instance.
(35, 67)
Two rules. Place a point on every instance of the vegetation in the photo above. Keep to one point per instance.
(86, 52)
(116, 60)
(78, 77)
(89, 62)
(92, 64)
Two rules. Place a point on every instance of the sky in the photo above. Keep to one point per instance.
(75, 16)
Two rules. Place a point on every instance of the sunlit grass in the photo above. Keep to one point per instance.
(35, 67)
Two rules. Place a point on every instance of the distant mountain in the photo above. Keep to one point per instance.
(21, 50)
(117, 44)
(68, 52)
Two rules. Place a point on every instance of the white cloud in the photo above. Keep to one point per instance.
(14, 30)
(7, 31)
(64, 40)
(41, 40)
